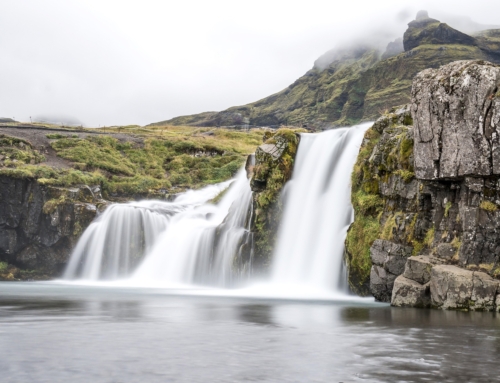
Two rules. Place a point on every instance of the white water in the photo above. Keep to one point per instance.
(318, 211)
(189, 242)
(200, 244)
(116, 241)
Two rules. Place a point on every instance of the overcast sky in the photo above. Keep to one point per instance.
(106, 62)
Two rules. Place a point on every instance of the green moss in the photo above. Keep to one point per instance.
(447, 208)
(269, 177)
(429, 237)
(488, 206)
(387, 231)
(360, 237)
(3, 266)
(406, 175)
(51, 205)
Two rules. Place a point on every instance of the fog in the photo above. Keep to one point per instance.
(136, 62)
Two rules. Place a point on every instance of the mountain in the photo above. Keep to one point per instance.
(346, 86)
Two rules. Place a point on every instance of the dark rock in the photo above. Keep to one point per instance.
(425, 30)
(381, 283)
(39, 225)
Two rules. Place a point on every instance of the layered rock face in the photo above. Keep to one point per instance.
(39, 225)
(442, 208)
(456, 112)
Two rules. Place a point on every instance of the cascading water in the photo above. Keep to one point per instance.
(200, 245)
(115, 243)
(186, 241)
(191, 242)
(318, 211)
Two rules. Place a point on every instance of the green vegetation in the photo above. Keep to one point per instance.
(269, 177)
(447, 208)
(15, 150)
(488, 206)
(385, 155)
(149, 160)
(3, 266)
(356, 86)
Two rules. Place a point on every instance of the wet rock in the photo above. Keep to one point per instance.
(497, 303)
(408, 293)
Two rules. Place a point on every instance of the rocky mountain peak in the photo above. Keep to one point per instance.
(425, 30)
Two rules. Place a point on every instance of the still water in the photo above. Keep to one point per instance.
(60, 333)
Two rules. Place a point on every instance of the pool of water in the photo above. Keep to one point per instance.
(65, 333)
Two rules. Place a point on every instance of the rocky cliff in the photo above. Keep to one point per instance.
(426, 191)
(273, 167)
(39, 225)
(346, 86)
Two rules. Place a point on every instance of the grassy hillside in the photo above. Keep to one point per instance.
(131, 161)
(357, 85)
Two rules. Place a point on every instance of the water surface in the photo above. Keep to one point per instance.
(60, 333)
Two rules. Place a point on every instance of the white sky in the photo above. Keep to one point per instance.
(109, 62)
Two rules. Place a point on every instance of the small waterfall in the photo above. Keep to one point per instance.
(192, 242)
(116, 242)
(200, 245)
(318, 211)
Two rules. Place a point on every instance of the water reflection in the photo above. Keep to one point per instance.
(141, 336)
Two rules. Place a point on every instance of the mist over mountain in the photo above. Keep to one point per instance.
(358, 81)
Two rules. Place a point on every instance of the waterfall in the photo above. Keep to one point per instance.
(192, 242)
(200, 245)
(186, 241)
(116, 242)
(318, 211)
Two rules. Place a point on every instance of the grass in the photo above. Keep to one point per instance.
(148, 160)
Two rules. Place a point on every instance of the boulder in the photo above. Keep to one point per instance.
(456, 113)
(408, 293)
(418, 269)
(381, 283)
(455, 288)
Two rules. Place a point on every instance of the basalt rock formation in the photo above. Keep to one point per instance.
(426, 191)
(39, 225)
